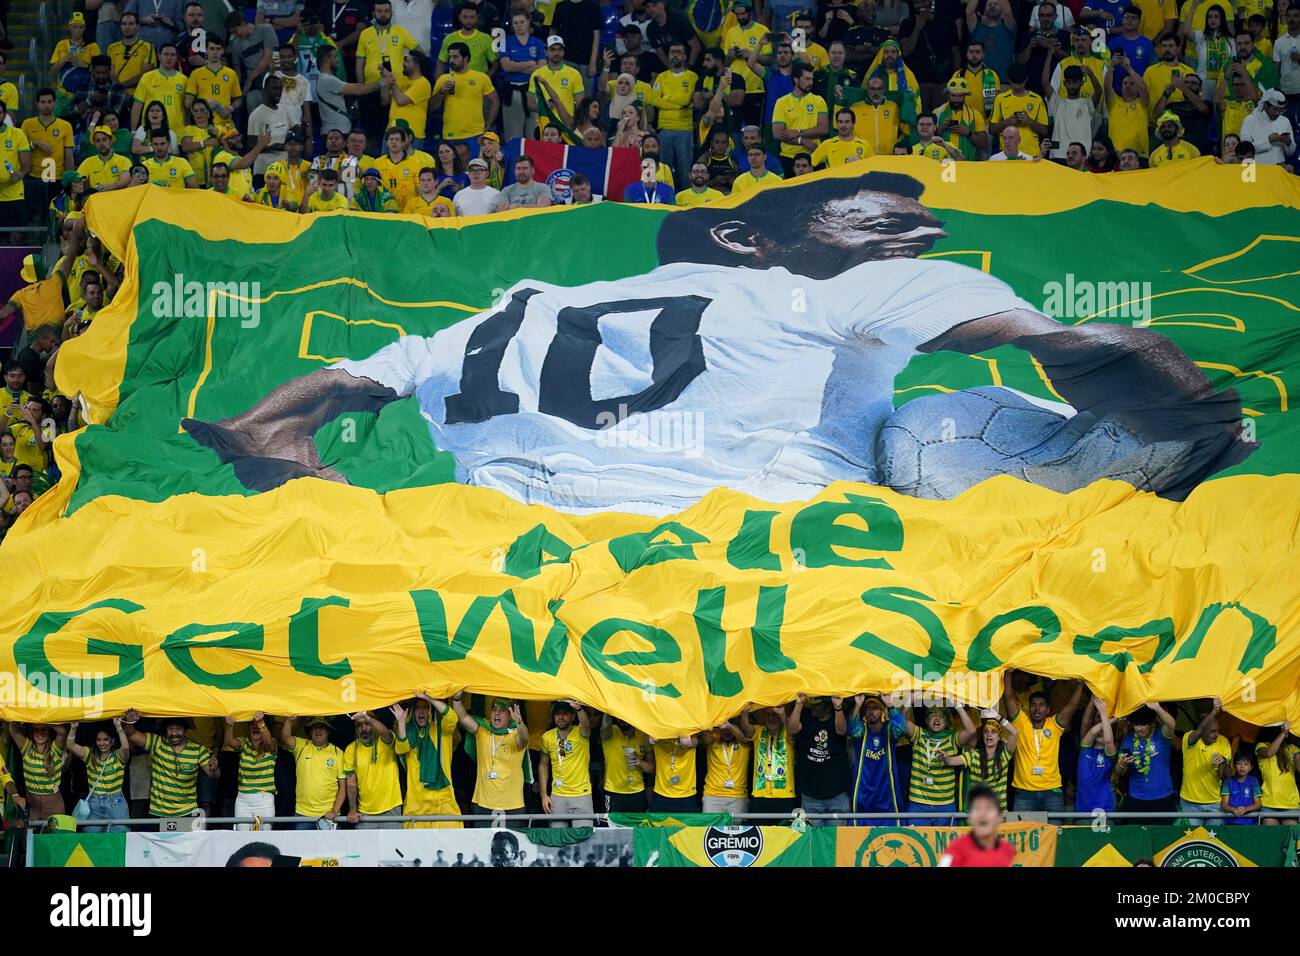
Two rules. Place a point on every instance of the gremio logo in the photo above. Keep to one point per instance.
(1198, 853)
(733, 846)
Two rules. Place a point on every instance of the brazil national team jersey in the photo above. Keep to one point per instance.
(221, 86)
(619, 777)
(175, 776)
(570, 762)
(866, 322)
(726, 768)
(933, 781)
(1093, 790)
(169, 173)
(674, 769)
(500, 760)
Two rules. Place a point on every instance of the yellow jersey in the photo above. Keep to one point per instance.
(566, 83)
(934, 149)
(747, 181)
(168, 89)
(318, 203)
(133, 61)
(726, 772)
(375, 43)
(689, 197)
(1201, 780)
(13, 143)
(984, 87)
(570, 762)
(798, 113)
(219, 87)
(879, 125)
(201, 158)
(1158, 75)
(1154, 15)
(500, 777)
(673, 94)
(1008, 104)
(462, 108)
(674, 769)
(1174, 154)
(375, 767)
(170, 173)
(1130, 125)
(1091, 62)
(400, 178)
(1038, 761)
(617, 748)
(415, 115)
(1234, 114)
(746, 38)
(58, 137)
(319, 770)
(417, 205)
(1280, 791)
(840, 152)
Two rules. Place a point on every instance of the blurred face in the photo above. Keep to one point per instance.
(45, 104)
(699, 175)
(1245, 46)
(1082, 44)
(677, 56)
(356, 143)
(175, 734)
(630, 115)
(990, 737)
(320, 735)
(193, 17)
(805, 82)
(1046, 17)
(202, 116)
(288, 60)
(1214, 19)
(1039, 708)
(1143, 731)
(167, 58)
(519, 23)
(423, 710)
(630, 64)
(1074, 156)
(1129, 160)
(564, 719)
(1243, 766)
(984, 818)
(363, 729)
(1011, 139)
(757, 159)
(334, 142)
(161, 147)
(524, 172)
(1230, 146)
(272, 183)
(328, 186)
(592, 138)
(383, 13)
(1130, 22)
(551, 134)
(975, 54)
(1129, 87)
(396, 142)
(155, 114)
(100, 73)
(427, 183)
(446, 154)
(1168, 131)
(1072, 87)
(875, 90)
(623, 87)
(719, 143)
(649, 171)
(94, 296)
(7, 447)
(15, 379)
(1168, 49)
(215, 50)
(468, 19)
(837, 54)
(785, 54)
(130, 25)
(478, 177)
(220, 178)
(22, 501)
(750, 137)
(457, 61)
(103, 742)
(1212, 731)
(743, 15)
(41, 735)
(555, 54)
(272, 89)
(925, 126)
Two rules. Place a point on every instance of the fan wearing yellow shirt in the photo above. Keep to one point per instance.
(556, 86)
(399, 169)
(1278, 759)
(1021, 108)
(15, 163)
(321, 784)
(844, 147)
(699, 192)
(566, 764)
(877, 120)
(739, 40)
(1157, 16)
(1233, 107)
(222, 183)
(215, 82)
(467, 98)
(382, 40)
(1172, 147)
(674, 770)
(326, 197)
(726, 775)
(673, 95)
(73, 50)
(407, 96)
(166, 170)
(759, 176)
(370, 763)
(772, 783)
(1129, 112)
(1159, 76)
(426, 740)
(166, 85)
(198, 140)
(427, 201)
(500, 745)
(627, 760)
(132, 55)
(50, 139)
(799, 119)
(813, 53)
(1036, 782)
(1207, 762)
(928, 144)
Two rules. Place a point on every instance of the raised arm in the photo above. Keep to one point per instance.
(967, 733)
(521, 729)
(794, 720)
(123, 745)
(467, 723)
(1066, 716)
(1203, 727)
(841, 722)
(1167, 723)
(606, 726)
(1009, 700)
(286, 733)
(584, 721)
(228, 733)
(74, 748)
(129, 719)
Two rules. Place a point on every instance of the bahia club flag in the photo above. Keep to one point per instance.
(610, 170)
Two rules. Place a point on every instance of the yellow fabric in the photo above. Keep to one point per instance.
(500, 772)
(1008, 104)
(199, 159)
(131, 63)
(1234, 114)
(1130, 125)
(420, 800)
(840, 152)
(41, 302)
(1201, 780)
(1280, 791)
(9, 96)
(619, 777)
(169, 90)
(318, 203)
(169, 173)
(58, 136)
(570, 762)
(26, 448)
(375, 44)
(462, 108)
(934, 150)
(689, 197)
(319, 770)
(726, 763)
(674, 769)
(13, 142)
(219, 87)
(879, 125)
(798, 113)
(1155, 13)
(375, 766)
(1174, 154)
(1037, 749)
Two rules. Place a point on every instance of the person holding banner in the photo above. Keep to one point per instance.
(1207, 762)
(726, 776)
(674, 770)
(321, 783)
(1097, 751)
(566, 759)
(370, 766)
(425, 743)
(1036, 783)
(257, 752)
(933, 785)
(822, 762)
(626, 751)
(983, 845)
(499, 745)
(175, 764)
(1145, 760)
(988, 762)
(874, 731)
(772, 786)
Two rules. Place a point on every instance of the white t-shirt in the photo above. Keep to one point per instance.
(278, 122)
(416, 18)
(1288, 71)
(1073, 121)
(476, 202)
(297, 91)
(765, 399)
(1257, 127)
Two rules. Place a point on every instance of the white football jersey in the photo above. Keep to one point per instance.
(643, 394)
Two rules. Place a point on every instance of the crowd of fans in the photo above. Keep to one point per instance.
(1042, 749)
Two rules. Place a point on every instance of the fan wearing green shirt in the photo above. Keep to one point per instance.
(933, 785)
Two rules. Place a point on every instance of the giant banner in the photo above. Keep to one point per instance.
(872, 430)
(1035, 845)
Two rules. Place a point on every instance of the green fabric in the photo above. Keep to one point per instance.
(558, 836)
(78, 849)
(1262, 846)
(670, 821)
(426, 742)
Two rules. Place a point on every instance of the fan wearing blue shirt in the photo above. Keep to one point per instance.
(1140, 51)
(649, 191)
(523, 53)
(1144, 761)
(1097, 752)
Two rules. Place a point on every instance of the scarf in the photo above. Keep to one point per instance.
(471, 744)
(426, 742)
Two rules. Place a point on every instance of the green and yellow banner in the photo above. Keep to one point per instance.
(1035, 845)
(881, 430)
(1218, 845)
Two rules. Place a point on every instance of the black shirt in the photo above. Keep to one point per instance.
(675, 29)
(339, 21)
(1034, 65)
(575, 23)
(823, 762)
(931, 58)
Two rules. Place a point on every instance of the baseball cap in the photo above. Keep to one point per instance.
(1081, 31)
(101, 129)
(477, 163)
(70, 176)
(490, 135)
(554, 39)
(77, 18)
(277, 169)
(311, 722)
(562, 706)
(958, 85)
(1273, 98)
(500, 703)
(372, 172)
(293, 137)
(223, 130)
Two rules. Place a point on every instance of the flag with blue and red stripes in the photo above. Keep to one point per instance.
(610, 170)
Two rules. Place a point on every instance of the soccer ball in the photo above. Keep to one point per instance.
(939, 446)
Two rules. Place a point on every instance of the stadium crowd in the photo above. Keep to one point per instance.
(1047, 747)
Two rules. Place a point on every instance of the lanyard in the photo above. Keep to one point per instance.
(334, 17)
(727, 751)
(650, 197)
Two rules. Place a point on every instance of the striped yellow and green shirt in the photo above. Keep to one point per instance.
(175, 775)
(41, 774)
(987, 772)
(256, 770)
(105, 774)
(933, 782)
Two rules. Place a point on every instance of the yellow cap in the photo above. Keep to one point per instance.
(276, 169)
(28, 272)
(77, 18)
(101, 129)
(958, 85)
